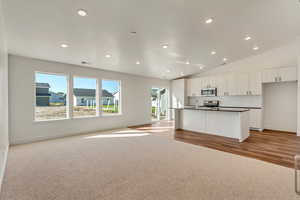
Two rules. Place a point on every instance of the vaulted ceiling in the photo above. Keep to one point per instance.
(132, 31)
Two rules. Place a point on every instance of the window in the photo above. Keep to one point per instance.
(84, 97)
(50, 96)
(111, 97)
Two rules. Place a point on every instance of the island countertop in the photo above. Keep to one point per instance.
(219, 109)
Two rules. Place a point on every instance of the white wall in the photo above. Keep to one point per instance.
(3, 98)
(178, 93)
(136, 101)
(280, 106)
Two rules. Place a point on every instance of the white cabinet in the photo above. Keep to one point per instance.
(221, 84)
(255, 83)
(232, 87)
(194, 87)
(269, 75)
(287, 74)
(248, 84)
(279, 75)
(242, 84)
(255, 119)
(231, 84)
(227, 85)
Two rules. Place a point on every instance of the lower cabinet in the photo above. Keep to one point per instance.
(255, 119)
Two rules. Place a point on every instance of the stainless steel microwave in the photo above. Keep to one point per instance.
(209, 92)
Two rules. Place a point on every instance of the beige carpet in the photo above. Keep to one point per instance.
(132, 165)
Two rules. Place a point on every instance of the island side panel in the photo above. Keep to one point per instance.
(226, 124)
(245, 126)
(193, 120)
(177, 118)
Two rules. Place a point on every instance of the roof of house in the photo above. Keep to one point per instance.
(82, 92)
(42, 85)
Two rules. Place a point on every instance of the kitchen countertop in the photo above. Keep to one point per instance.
(219, 109)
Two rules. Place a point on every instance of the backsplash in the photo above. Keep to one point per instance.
(238, 101)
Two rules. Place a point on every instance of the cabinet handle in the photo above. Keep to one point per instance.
(275, 79)
(280, 78)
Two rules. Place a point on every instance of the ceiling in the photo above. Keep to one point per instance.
(37, 28)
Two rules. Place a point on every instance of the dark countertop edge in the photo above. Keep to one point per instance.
(240, 107)
(235, 107)
(218, 110)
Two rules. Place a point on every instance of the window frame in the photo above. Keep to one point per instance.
(120, 99)
(97, 97)
(67, 96)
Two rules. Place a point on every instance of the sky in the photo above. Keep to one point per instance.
(58, 83)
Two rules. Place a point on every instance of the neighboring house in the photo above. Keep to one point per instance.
(58, 98)
(42, 94)
(87, 97)
(107, 98)
(84, 97)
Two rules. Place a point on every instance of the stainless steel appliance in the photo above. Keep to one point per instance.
(209, 92)
(211, 103)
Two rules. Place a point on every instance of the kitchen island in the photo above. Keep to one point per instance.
(226, 122)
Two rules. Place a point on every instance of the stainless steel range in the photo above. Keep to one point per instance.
(211, 103)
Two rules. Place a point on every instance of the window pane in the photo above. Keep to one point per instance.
(84, 97)
(110, 96)
(51, 96)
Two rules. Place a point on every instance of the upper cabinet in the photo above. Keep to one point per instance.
(279, 75)
(237, 84)
(255, 83)
(194, 87)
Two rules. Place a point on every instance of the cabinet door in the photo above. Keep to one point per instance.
(255, 83)
(255, 118)
(212, 81)
(204, 82)
(231, 84)
(241, 84)
(221, 84)
(269, 75)
(287, 74)
(192, 87)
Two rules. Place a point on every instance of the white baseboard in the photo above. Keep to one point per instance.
(3, 159)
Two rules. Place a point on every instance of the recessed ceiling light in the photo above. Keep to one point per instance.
(137, 62)
(182, 74)
(247, 38)
(201, 67)
(165, 46)
(255, 48)
(187, 62)
(108, 56)
(168, 70)
(213, 53)
(209, 20)
(82, 12)
(225, 59)
(64, 46)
